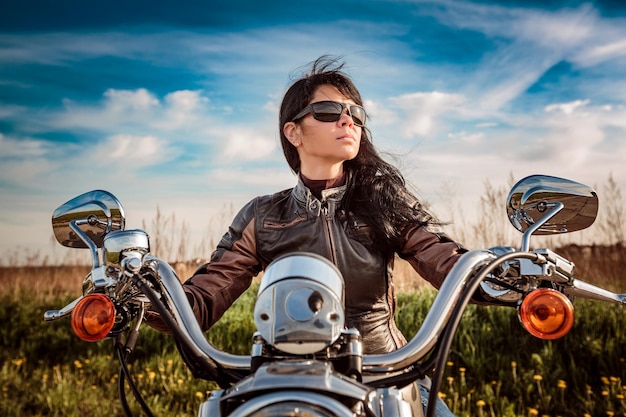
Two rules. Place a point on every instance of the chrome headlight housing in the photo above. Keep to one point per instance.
(300, 304)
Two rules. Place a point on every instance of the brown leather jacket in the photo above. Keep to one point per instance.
(294, 220)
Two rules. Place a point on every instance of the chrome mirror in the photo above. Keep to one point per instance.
(84, 221)
(545, 205)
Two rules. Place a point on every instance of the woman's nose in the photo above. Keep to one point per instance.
(346, 118)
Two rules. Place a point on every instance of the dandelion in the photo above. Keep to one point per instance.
(18, 362)
(78, 364)
(462, 377)
(480, 404)
(200, 395)
(533, 412)
(610, 413)
(561, 384)
(514, 371)
(538, 379)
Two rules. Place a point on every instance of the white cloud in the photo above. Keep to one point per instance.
(127, 101)
(418, 111)
(246, 144)
(132, 151)
(22, 149)
(566, 108)
(183, 109)
(466, 137)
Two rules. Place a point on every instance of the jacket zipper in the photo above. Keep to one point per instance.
(328, 220)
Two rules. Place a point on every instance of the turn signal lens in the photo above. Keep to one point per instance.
(547, 314)
(93, 317)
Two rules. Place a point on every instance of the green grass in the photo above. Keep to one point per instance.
(495, 367)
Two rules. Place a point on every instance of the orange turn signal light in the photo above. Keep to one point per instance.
(547, 314)
(93, 317)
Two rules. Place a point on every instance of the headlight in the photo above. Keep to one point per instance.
(299, 308)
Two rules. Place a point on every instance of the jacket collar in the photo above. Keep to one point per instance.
(331, 197)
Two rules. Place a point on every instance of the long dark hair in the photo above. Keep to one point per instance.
(377, 192)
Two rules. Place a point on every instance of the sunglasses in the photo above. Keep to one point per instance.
(331, 111)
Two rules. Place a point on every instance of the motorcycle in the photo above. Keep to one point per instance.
(303, 360)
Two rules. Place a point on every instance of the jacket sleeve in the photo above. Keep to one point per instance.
(216, 285)
(431, 254)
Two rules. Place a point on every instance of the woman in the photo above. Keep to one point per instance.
(349, 206)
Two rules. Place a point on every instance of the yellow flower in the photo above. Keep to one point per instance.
(78, 364)
(537, 378)
(450, 364)
(605, 393)
(513, 364)
(462, 370)
(533, 412)
(561, 384)
(200, 395)
(441, 395)
(480, 403)
(18, 362)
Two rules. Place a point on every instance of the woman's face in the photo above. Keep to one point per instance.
(324, 146)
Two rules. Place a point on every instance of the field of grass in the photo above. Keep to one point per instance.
(495, 367)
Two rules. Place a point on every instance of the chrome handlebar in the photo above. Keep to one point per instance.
(416, 349)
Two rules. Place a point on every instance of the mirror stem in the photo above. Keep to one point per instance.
(528, 233)
(92, 246)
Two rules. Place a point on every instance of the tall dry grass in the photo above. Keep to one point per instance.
(598, 252)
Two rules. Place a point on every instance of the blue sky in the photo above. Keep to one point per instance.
(175, 105)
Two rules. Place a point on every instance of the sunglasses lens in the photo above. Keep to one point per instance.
(327, 111)
(331, 111)
(358, 115)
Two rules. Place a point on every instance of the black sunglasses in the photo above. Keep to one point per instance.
(331, 111)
